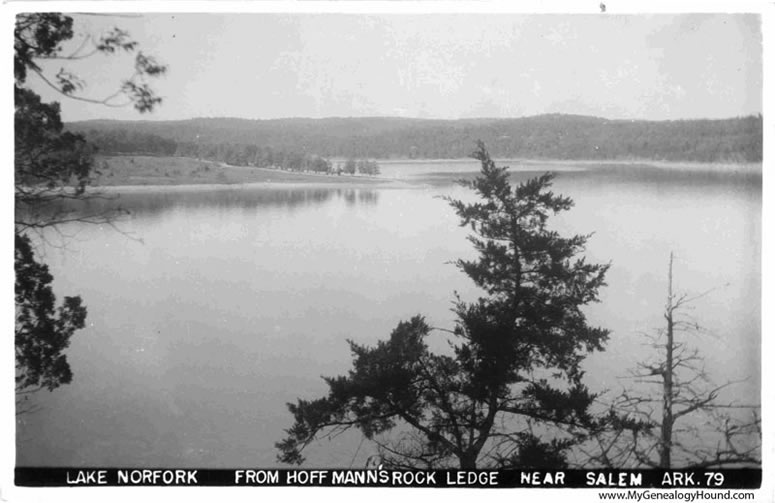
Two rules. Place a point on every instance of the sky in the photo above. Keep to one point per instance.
(446, 66)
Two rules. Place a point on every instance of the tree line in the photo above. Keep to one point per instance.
(552, 136)
(123, 141)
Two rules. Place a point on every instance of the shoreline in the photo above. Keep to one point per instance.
(467, 160)
(144, 173)
(159, 174)
(710, 166)
(203, 187)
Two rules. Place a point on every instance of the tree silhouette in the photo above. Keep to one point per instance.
(41, 36)
(509, 391)
(51, 166)
(686, 424)
(43, 331)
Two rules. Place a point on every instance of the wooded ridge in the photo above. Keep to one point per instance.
(553, 136)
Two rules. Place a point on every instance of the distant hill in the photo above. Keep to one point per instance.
(553, 136)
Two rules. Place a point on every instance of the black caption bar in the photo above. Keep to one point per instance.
(601, 479)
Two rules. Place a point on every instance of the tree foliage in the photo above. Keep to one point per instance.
(121, 141)
(509, 392)
(43, 330)
(368, 167)
(124, 141)
(50, 165)
(350, 166)
(554, 136)
(42, 36)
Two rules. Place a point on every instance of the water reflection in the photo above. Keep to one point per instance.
(153, 203)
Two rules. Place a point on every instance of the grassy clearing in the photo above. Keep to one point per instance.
(148, 170)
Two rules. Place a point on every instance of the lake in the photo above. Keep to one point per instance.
(209, 309)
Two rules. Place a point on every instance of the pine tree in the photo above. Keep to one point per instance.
(52, 165)
(510, 391)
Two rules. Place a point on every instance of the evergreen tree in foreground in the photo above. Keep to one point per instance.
(509, 392)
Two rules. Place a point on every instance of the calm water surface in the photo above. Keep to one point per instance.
(212, 309)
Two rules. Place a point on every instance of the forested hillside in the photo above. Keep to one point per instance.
(539, 137)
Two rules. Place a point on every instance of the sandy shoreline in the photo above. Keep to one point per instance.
(144, 173)
(193, 187)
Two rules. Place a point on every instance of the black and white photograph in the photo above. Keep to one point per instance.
(388, 244)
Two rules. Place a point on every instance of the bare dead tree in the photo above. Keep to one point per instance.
(687, 423)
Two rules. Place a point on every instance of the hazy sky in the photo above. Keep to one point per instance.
(262, 66)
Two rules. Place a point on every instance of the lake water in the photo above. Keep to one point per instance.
(213, 308)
